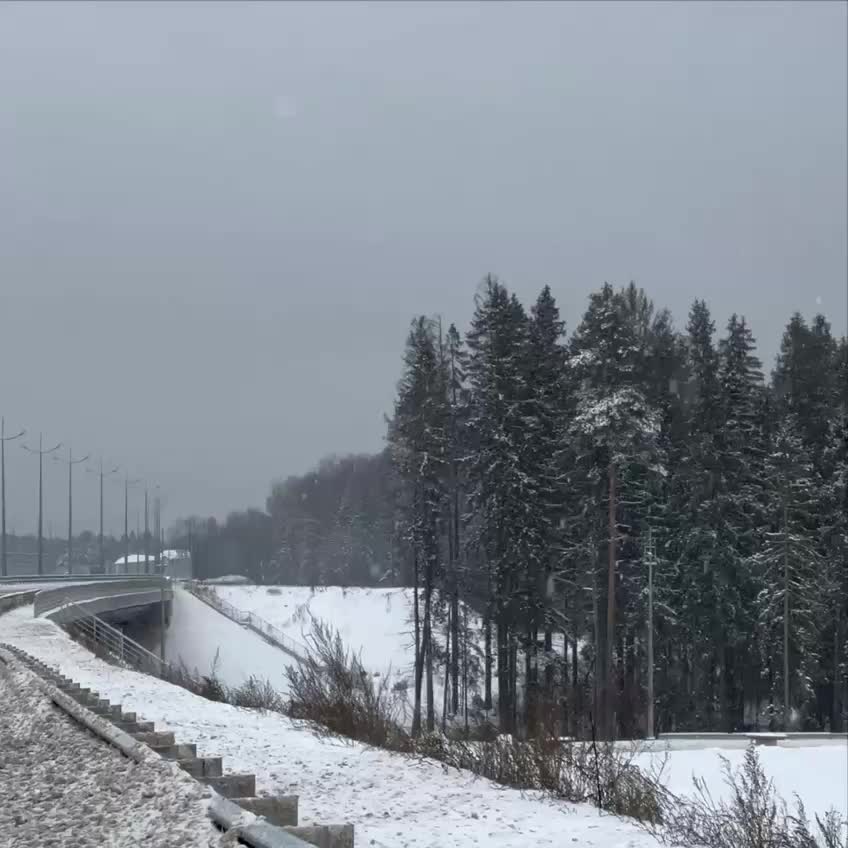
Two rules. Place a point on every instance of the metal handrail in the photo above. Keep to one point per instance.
(116, 643)
(250, 619)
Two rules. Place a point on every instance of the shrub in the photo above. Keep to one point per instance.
(332, 688)
(256, 694)
(753, 816)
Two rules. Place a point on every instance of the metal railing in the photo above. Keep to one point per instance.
(249, 619)
(102, 637)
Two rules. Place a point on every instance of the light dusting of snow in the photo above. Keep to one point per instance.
(61, 785)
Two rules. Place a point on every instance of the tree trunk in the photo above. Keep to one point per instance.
(836, 720)
(454, 641)
(465, 666)
(428, 646)
(447, 672)
(455, 599)
(513, 683)
(419, 666)
(609, 687)
(563, 689)
(787, 707)
(487, 640)
(504, 705)
(599, 671)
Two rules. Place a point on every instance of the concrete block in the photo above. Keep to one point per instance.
(232, 785)
(202, 766)
(149, 738)
(324, 835)
(129, 717)
(182, 751)
(280, 810)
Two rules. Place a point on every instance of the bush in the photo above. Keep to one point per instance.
(332, 688)
(754, 816)
(256, 694)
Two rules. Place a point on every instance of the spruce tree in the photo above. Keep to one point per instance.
(788, 569)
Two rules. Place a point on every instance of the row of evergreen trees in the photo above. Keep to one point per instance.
(539, 477)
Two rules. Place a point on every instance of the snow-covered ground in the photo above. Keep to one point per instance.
(203, 639)
(62, 786)
(817, 773)
(394, 802)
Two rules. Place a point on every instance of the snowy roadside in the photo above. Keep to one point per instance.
(62, 786)
(394, 802)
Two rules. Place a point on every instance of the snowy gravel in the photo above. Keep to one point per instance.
(62, 786)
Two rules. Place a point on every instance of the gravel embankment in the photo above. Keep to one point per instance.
(62, 786)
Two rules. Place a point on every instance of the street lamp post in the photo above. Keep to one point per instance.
(101, 473)
(146, 535)
(3, 439)
(70, 462)
(127, 484)
(41, 454)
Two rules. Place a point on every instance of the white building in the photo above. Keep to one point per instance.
(175, 563)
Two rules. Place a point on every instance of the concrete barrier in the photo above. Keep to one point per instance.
(232, 785)
(324, 835)
(277, 826)
(101, 596)
(281, 810)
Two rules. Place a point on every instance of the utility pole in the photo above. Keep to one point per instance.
(3, 439)
(41, 454)
(650, 551)
(146, 535)
(70, 462)
(127, 484)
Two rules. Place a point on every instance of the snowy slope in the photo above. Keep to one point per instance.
(393, 802)
(374, 623)
(377, 623)
(200, 637)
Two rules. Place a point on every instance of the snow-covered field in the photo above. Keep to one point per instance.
(817, 774)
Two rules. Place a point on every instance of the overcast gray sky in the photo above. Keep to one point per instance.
(216, 220)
